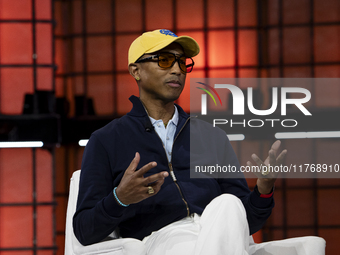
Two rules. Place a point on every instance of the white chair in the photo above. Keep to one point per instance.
(112, 246)
(129, 246)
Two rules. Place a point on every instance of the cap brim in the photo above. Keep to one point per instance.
(190, 46)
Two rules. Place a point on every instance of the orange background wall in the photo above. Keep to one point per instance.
(27, 219)
(89, 43)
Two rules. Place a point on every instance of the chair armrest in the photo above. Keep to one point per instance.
(311, 245)
(111, 247)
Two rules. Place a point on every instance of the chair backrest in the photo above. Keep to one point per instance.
(112, 245)
(71, 209)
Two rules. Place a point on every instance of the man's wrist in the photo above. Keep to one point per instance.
(268, 195)
(117, 199)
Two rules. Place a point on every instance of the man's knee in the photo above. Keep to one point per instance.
(226, 210)
(227, 199)
(227, 202)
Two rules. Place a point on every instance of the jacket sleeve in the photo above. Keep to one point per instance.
(258, 209)
(97, 214)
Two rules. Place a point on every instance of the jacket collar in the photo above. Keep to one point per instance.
(138, 109)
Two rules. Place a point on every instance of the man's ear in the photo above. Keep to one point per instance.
(134, 71)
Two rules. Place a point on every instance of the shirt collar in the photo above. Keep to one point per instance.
(173, 120)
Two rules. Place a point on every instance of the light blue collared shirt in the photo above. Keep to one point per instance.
(166, 134)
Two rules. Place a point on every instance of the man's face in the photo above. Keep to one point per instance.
(165, 84)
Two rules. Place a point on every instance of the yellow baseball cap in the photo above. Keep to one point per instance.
(156, 40)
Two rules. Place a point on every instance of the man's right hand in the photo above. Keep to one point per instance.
(133, 187)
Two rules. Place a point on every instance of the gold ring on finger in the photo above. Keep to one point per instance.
(150, 190)
(265, 172)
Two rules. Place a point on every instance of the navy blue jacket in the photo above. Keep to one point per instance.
(109, 153)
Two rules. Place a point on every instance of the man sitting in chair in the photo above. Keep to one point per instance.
(135, 172)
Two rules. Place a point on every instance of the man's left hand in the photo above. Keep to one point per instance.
(266, 180)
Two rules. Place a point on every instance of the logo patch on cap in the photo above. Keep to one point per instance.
(167, 32)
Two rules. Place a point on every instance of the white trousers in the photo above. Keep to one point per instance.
(221, 229)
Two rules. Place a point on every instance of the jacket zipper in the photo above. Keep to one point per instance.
(179, 189)
(171, 169)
